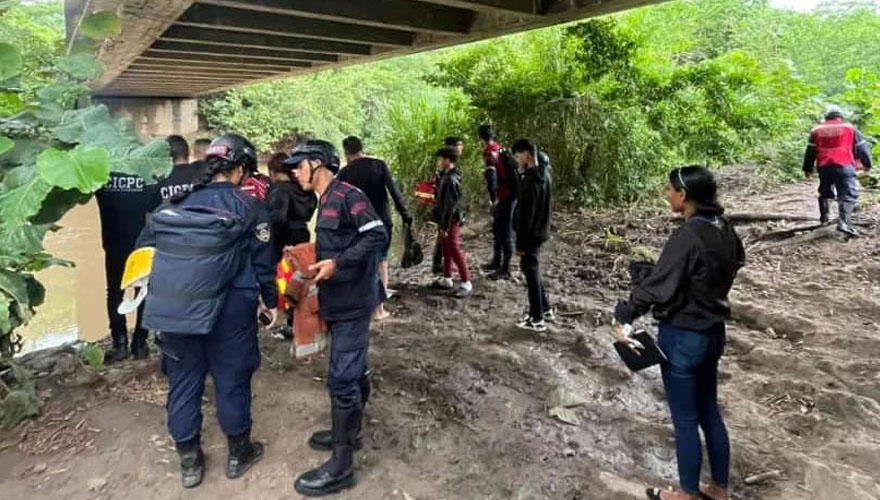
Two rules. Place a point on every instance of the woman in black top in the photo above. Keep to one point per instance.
(687, 290)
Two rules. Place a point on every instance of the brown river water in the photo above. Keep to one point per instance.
(74, 307)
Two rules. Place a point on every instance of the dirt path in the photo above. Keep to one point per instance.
(459, 406)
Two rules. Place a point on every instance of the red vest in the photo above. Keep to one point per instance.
(834, 141)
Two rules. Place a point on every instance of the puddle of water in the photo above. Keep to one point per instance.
(74, 307)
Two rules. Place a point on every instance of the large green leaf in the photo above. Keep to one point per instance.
(58, 203)
(149, 161)
(10, 61)
(92, 126)
(5, 325)
(83, 168)
(22, 239)
(82, 66)
(15, 286)
(101, 25)
(23, 195)
(49, 113)
(6, 144)
(10, 103)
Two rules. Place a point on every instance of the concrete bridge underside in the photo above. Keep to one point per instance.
(186, 48)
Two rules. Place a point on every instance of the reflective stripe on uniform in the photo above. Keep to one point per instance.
(370, 225)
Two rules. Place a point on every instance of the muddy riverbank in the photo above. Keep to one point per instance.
(460, 401)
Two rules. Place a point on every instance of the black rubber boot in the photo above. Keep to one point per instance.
(119, 351)
(337, 473)
(494, 265)
(824, 210)
(323, 440)
(192, 463)
(139, 347)
(844, 225)
(243, 453)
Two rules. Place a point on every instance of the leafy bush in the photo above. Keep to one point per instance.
(53, 157)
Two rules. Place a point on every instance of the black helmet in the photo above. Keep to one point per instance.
(234, 149)
(315, 150)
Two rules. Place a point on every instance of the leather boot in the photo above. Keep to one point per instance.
(139, 348)
(337, 473)
(192, 463)
(323, 440)
(119, 351)
(824, 210)
(243, 453)
(844, 225)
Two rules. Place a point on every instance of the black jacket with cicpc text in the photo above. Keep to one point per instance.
(534, 205)
(688, 286)
(350, 232)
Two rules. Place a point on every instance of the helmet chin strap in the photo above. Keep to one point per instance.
(312, 170)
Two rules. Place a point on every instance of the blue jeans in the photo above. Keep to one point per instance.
(840, 179)
(691, 381)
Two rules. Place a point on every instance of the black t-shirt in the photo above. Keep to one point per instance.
(373, 177)
(124, 203)
(181, 179)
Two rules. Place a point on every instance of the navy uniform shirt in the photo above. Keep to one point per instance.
(124, 203)
(181, 179)
(350, 232)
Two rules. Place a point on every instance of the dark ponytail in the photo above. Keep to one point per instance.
(699, 186)
(214, 166)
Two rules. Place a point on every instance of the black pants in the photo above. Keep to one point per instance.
(502, 230)
(531, 268)
(437, 258)
(114, 267)
(347, 371)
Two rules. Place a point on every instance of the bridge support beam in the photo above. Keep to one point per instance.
(154, 117)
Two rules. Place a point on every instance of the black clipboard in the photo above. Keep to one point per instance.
(639, 360)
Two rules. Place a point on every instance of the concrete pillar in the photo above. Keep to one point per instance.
(155, 116)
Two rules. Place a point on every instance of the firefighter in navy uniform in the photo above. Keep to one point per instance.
(213, 262)
(833, 148)
(350, 237)
(123, 203)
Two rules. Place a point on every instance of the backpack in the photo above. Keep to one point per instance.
(510, 167)
(199, 251)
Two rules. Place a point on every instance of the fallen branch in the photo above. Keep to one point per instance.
(744, 218)
(786, 232)
(764, 476)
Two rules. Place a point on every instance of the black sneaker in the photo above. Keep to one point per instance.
(500, 275)
(532, 325)
(550, 315)
(192, 467)
(243, 454)
(492, 266)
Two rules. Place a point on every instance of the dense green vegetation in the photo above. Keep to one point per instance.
(52, 156)
(615, 101)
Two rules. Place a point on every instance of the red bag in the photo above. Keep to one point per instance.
(424, 193)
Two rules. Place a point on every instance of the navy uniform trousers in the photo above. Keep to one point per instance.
(347, 379)
(230, 353)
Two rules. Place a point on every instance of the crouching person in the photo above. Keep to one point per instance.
(213, 261)
(350, 237)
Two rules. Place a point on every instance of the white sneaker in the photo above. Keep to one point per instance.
(443, 284)
(464, 290)
(532, 325)
(550, 315)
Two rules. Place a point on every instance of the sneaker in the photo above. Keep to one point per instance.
(499, 275)
(550, 315)
(492, 266)
(464, 290)
(532, 325)
(443, 284)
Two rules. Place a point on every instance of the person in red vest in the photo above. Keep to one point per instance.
(833, 148)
